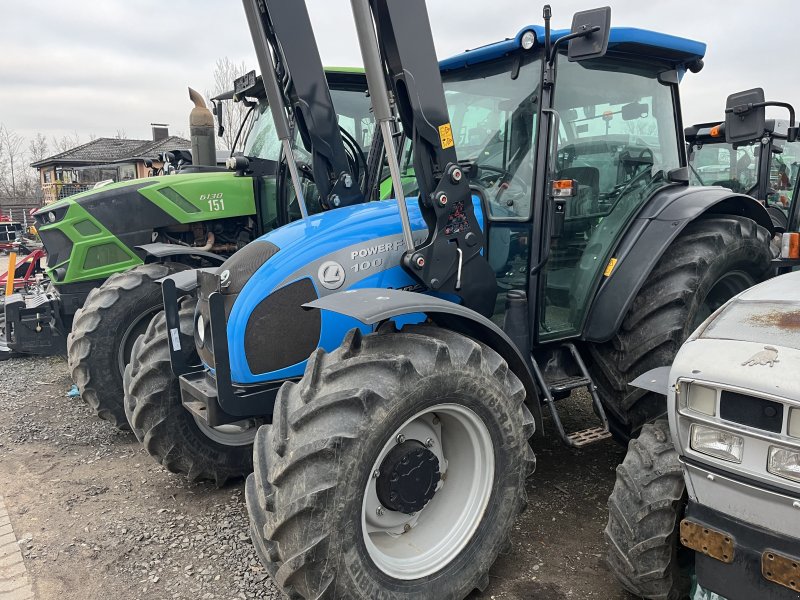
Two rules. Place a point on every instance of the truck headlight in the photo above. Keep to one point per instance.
(794, 423)
(717, 443)
(702, 399)
(784, 462)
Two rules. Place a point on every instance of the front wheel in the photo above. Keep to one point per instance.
(394, 469)
(175, 438)
(103, 333)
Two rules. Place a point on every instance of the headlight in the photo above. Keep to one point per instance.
(717, 443)
(51, 216)
(528, 40)
(794, 422)
(201, 329)
(784, 462)
(702, 399)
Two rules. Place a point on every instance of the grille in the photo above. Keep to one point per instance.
(751, 411)
(58, 246)
(244, 263)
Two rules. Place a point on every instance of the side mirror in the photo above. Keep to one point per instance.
(595, 43)
(745, 116)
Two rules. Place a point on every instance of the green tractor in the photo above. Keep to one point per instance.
(108, 247)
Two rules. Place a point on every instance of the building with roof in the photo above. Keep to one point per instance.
(103, 159)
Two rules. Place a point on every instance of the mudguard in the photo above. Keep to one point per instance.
(374, 305)
(186, 281)
(160, 250)
(659, 222)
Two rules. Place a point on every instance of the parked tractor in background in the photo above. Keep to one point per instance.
(716, 488)
(107, 247)
(555, 245)
(764, 167)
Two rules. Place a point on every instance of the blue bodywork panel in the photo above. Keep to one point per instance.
(364, 240)
(649, 45)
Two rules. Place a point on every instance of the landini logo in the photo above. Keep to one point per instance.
(331, 275)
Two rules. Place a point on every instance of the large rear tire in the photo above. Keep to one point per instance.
(318, 520)
(103, 333)
(644, 513)
(711, 261)
(168, 432)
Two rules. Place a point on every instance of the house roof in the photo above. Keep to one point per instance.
(111, 150)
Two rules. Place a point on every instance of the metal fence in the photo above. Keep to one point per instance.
(53, 192)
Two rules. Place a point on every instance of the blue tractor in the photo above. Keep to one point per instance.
(381, 366)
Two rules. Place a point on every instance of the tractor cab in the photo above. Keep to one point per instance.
(764, 167)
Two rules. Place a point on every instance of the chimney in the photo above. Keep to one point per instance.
(160, 131)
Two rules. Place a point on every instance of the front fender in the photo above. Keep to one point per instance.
(160, 250)
(374, 305)
(659, 222)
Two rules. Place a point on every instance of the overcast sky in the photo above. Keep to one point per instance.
(95, 67)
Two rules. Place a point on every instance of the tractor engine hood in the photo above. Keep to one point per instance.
(348, 248)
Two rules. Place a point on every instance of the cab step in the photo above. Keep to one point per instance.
(562, 386)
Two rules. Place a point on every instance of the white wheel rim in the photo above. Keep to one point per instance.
(413, 546)
(241, 433)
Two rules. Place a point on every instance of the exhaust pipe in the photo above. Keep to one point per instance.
(201, 128)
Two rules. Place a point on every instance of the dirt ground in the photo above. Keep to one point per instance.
(96, 518)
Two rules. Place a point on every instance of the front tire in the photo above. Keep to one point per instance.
(644, 513)
(168, 432)
(103, 333)
(711, 261)
(320, 524)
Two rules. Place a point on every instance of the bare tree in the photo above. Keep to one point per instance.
(225, 71)
(121, 134)
(66, 142)
(12, 145)
(37, 148)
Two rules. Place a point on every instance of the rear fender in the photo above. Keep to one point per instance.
(374, 305)
(660, 221)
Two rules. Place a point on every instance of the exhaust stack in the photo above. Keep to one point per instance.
(201, 128)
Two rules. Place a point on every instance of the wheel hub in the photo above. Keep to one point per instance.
(408, 477)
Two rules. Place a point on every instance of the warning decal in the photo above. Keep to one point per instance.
(446, 135)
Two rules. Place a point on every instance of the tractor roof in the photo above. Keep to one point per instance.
(640, 43)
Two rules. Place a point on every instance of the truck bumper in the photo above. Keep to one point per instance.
(34, 324)
(211, 395)
(763, 564)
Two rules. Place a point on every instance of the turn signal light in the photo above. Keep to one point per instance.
(564, 188)
(794, 423)
(716, 131)
(702, 399)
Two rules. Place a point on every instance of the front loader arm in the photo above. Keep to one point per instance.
(297, 91)
(451, 259)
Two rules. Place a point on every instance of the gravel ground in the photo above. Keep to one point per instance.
(97, 518)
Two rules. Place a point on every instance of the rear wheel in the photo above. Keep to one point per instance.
(179, 441)
(394, 469)
(103, 333)
(644, 513)
(711, 261)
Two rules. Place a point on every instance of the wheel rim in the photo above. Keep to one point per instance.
(410, 546)
(242, 433)
(136, 328)
(723, 290)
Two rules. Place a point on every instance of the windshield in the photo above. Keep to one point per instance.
(493, 116)
(262, 139)
(618, 138)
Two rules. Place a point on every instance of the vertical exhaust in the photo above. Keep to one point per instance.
(201, 128)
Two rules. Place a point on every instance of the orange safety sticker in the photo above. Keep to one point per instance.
(446, 136)
(610, 267)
